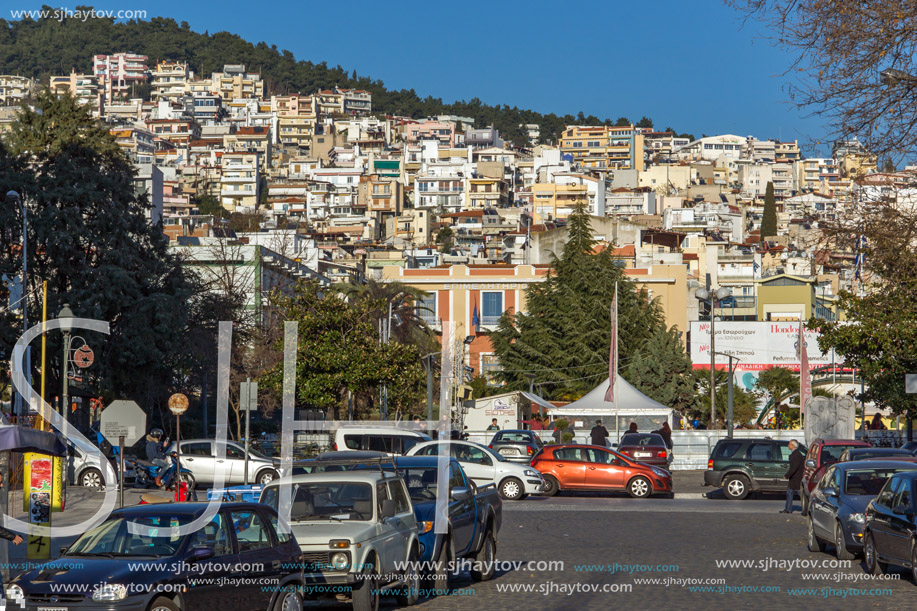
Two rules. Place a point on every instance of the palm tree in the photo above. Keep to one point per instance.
(408, 325)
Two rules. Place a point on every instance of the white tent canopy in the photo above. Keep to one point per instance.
(632, 405)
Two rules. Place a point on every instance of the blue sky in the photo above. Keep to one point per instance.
(688, 64)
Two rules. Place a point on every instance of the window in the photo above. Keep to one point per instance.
(784, 449)
(425, 307)
(235, 452)
(353, 442)
(196, 449)
(471, 454)
(491, 308)
(600, 457)
(568, 454)
(760, 451)
(396, 491)
(904, 494)
(251, 532)
(456, 478)
(381, 495)
(726, 449)
(283, 532)
(888, 492)
(213, 535)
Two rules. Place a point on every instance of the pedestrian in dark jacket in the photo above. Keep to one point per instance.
(666, 433)
(599, 434)
(793, 474)
(8, 534)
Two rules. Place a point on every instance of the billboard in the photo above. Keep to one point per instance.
(757, 345)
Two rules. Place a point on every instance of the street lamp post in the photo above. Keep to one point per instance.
(66, 325)
(730, 399)
(14, 196)
(712, 297)
(427, 360)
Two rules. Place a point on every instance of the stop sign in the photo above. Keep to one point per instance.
(123, 418)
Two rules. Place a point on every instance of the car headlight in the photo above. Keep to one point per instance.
(424, 527)
(110, 591)
(531, 473)
(340, 561)
(660, 472)
(15, 593)
(859, 518)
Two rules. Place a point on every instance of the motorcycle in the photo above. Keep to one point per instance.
(145, 473)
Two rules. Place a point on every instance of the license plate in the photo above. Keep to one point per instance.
(52, 608)
(507, 452)
(643, 454)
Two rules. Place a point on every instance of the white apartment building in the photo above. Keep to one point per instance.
(170, 80)
(239, 182)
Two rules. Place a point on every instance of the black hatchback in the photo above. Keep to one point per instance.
(891, 526)
(136, 560)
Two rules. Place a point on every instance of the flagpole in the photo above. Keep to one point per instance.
(614, 382)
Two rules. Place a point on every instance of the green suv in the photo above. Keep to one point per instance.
(740, 466)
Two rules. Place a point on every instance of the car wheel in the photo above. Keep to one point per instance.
(91, 478)
(409, 591)
(812, 541)
(164, 604)
(438, 579)
(366, 596)
(511, 489)
(914, 561)
(289, 600)
(551, 485)
(736, 487)
(871, 556)
(804, 499)
(840, 545)
(188, 479)
(266, 477)
(485, 558)
(639, 487)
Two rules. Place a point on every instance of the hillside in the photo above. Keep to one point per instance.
(41, 48)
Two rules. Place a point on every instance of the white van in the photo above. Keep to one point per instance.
(392, 441)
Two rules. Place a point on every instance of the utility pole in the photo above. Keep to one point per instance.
(730, 399)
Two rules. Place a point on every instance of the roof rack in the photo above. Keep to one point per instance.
(383, 462)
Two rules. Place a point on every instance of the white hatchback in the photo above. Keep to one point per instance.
(514, 481)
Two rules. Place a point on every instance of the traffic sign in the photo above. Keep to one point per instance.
(123, 419)
(178, 404)
(910, 383)
(248, 396)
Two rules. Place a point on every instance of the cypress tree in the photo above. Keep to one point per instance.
(769, 219)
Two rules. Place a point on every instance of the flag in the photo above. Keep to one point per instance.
(860, 257)
(613, 351)
(805, 384)
(475, 319)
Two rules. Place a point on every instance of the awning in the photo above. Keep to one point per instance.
(23, 439)
(538, 400)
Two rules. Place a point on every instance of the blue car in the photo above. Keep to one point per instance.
(227, 564)
(837, 507)
(474, 517)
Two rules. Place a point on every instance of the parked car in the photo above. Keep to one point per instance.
(822, 452)
(353, 527)
(100, 569)
(882, 453)
(484, 466)
(85, 467)
(582, 467)
(648, 448)
(516, 446)
(741, 466)
(200, 457)
(475, 515)
(838, 503)
(891, 526)
(396, 442)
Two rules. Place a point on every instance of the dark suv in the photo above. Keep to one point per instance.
(740, 466)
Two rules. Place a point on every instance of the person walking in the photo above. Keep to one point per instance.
(793, 475)
(599, 434)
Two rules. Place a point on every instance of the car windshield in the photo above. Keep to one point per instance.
(647, 439)
(867, 481)
(421, 482)
(833, 453)
(115, 537)
(878, 453)
(315, 501)
(513, 437)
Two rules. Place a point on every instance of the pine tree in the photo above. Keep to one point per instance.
(662, 371)
(769, 219)
(564, 335)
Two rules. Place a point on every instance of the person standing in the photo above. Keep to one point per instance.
(493, 425)
(666, 433)
(599, 434)
(793, 475)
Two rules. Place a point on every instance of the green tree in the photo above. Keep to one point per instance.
(408, 325)
(662, 371)
(776, 382)
(91, 239)
(769, 219)
(622, 122)
(444, 238)
(645, 122)
(210, 205)
(339, 351)
(744, 403)
(563, 337)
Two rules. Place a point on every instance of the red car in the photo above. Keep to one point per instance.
(822, 452)
(582, 467)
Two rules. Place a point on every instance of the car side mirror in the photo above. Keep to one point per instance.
(460, 493)
(830, 491)
(903, 510)
(810, 464)
(201, 552)
(388, 509)
(63, 549)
